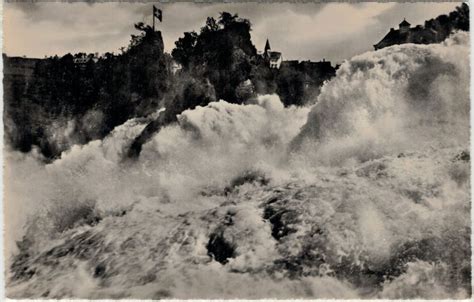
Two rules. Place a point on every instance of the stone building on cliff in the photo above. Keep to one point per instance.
(407, 34)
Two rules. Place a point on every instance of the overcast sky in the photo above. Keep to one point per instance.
(304, 31)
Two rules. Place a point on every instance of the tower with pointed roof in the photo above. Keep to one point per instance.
(267, 47)
(404, 26)
(273, 58)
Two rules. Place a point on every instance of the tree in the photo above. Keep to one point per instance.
(211, 25)
(183, 53)
(227, 19)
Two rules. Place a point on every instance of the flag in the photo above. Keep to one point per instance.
(157, 13)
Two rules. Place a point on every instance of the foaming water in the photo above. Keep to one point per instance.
(366, 194)
(208, 148)
(402, 97)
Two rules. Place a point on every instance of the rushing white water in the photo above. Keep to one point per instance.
(364, 195)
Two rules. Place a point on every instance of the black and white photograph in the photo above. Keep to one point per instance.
(236, 150)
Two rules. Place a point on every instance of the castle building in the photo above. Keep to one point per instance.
(407, 34)
(404, 26)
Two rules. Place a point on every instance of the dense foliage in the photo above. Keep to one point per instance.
(67, 103)
(455, 20)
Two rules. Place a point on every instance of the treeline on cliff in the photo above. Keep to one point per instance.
(444, 25)
(66, 103)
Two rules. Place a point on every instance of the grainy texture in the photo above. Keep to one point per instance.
(221, 168)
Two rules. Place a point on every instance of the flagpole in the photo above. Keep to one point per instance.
(153, 16)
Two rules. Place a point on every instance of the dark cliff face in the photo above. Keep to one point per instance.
(88, 95)
(299, 83)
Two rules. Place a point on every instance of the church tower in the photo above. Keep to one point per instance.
(267, 49)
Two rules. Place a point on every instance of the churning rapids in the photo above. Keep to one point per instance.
(365, 194)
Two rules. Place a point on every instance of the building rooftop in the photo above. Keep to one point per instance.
(274, 55)
(418, 34)
(404, 23)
